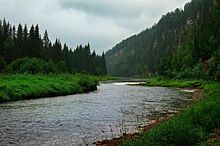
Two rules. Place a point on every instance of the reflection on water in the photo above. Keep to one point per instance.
(83, 119)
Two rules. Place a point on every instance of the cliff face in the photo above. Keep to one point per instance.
(143, 54)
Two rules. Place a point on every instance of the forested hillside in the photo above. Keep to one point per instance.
(23, 50)
(183, 44)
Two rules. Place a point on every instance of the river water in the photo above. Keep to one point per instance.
(82, 119)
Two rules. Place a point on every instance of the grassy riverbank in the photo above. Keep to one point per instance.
(199, 124)
(18, 87)
(173, 83)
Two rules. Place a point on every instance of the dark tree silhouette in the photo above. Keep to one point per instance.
(20, 43)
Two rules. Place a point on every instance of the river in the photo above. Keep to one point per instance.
(114, 109)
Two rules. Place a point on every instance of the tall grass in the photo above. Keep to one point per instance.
(20, 86)
(192, 127)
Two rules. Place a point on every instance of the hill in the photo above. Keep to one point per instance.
(184, 43)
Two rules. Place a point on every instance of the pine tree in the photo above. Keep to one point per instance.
(46, 40)
(19, 42)
(25, 41)
(46, 47)
(65, 52)
(5, 28)
(57, 51)
(104, 64)
(14, 34)
(87, 58)
(1, 40)
(31, 42)
(37, 42)
(9, 50)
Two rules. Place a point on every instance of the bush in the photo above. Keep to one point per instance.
(27, 65)
(198, 71)
(35, 66)
(62, 67)
(87, 83)
(50, 67)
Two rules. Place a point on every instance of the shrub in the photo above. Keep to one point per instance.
(88, 83)
(62, 67)
(198, 71)
(35, 66)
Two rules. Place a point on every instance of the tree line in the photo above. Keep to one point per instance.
(21, 42)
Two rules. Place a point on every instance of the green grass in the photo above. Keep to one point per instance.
(191, 127)
(173, 83)
(18, 86)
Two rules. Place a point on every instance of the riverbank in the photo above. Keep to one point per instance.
(199, 124)
(173, 83)
(19, 86)
(81, 119)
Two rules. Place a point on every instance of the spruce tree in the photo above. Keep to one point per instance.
(31, 42)
(46, 40)
(25, 41)
(37, 42)
(1, 39)
(19, 42)
(104, 64)
(46, 47)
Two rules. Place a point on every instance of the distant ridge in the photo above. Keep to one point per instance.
(181, 40)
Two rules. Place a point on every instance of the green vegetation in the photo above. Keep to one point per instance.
(172, 82)
(26, 86)
(183, 44)
(35, 66)
(194, 126)
(105, 78)
(184, 48)
(20, 43)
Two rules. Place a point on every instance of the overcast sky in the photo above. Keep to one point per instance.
(102, 23)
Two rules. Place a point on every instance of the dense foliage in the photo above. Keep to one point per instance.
(20, 43)
(18, 87)
(183, 44)
(35, 66)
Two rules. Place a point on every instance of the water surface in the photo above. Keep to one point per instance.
(83, 119)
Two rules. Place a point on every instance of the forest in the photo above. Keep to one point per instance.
(160, 87)
(23, 50)
(183, 44)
